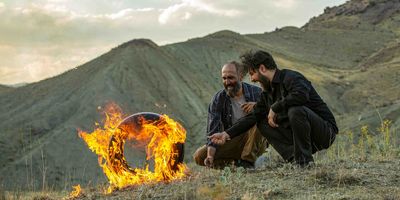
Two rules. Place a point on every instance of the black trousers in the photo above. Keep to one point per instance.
(307, 134)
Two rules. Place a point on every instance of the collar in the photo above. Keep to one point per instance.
(246, 91)
(277, 76)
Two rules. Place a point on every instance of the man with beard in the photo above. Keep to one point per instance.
(290, 113)
(228, 106)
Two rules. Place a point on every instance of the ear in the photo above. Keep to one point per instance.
(262, 68)
(241, 76)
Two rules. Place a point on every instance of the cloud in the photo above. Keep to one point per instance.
(51, 24)
(2, 6)
(168, 13)
(185, 9)
(30, 65)
(284, 4)
(40, 38)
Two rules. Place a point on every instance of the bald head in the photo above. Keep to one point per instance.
(229, 68)
(233, 67)
(231, 78)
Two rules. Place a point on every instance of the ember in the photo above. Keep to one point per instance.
(76, 192)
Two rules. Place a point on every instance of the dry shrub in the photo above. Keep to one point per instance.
(323, 176)
(346, 178)
(215, 192)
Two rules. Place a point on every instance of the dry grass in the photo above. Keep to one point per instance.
(361, 165)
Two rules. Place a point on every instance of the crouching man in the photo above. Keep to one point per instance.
(290, 114)
(227, 106)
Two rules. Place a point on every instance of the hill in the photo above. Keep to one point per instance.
(4, 88)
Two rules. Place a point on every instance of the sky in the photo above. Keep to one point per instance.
(43, 38)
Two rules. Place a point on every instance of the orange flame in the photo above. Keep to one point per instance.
(76, 192)
(161, 138)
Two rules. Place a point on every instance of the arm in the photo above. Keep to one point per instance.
(253, 94)
(248, 107)
(298, 88)
(245, 123)
(214, 123)
(210, 156)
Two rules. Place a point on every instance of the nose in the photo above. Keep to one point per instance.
(252, 78)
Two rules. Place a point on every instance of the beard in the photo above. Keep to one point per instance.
(233, 89)
(264, 82)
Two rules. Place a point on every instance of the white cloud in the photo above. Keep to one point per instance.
(2, 6)
(39, 66)
(168, 13)
(53, 8)
(45, 37)
(120, 14)
(187, 16)
(210, 8)
(39, 63)
(58, 1)
(185, 9)
(285, 4)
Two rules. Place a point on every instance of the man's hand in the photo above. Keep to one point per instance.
(248, 106)
(219, 138)
(209, 161)
(272, 119)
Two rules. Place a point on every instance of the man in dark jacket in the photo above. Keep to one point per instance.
(290, 114)
(227, 106)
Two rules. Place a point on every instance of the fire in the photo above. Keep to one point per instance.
(162, 137)
(76, 192)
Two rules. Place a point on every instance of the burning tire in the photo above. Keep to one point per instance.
(162, 137)
(135, 124)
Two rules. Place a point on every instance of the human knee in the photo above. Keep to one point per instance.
(252, 132)
(296, 111)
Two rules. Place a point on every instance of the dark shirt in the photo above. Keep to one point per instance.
(220, 109)
(288, 88)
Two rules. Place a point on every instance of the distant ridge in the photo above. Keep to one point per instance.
(359, 14)
(224, 34)
(139, 43)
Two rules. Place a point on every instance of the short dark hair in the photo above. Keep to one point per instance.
(252, 60)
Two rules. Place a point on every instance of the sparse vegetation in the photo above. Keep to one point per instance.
(360, 165)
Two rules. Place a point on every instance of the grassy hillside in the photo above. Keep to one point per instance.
(364, 167)
(333, 48)
(366, 15)
(46, 115)
(4, 88)
(375, 92)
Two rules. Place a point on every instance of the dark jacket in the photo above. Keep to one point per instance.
(288, 88)
(220, 109)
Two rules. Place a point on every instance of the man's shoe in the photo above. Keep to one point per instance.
(306, 165)
(244, 163)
